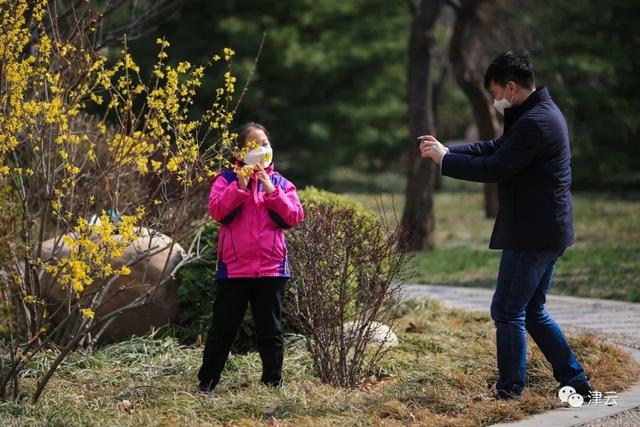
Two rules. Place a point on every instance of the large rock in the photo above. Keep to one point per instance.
(380, 334)
(161, 309)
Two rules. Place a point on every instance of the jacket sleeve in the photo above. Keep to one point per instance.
(481, 148)
(518, 150)
(225, 199)
(284, 206)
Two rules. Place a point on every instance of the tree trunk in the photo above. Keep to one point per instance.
(466, 57)
(437, 88)
(418, 220)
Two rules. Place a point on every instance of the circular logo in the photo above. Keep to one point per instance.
(565, 392)
(575, 400)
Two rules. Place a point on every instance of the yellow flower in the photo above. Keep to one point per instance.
(228, 53)
(107, 270)
(88, 313)
(73, 169)
(142, 165)
(172, 164)
(68, 241)
(129, 63)
(162, 42)
(79, 275)
(56, 205)
(267, 158)
(251, 145)
(245, 171)
(95, 98)
(183, 67)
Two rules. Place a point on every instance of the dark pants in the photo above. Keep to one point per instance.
(265, 295)
(517, 308)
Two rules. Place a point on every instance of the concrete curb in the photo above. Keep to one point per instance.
(617, 321)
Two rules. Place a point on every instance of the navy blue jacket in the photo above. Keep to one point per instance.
(531, 162)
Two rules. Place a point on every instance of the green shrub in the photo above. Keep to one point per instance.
(312, 196)
(196, 284)
(196, 291)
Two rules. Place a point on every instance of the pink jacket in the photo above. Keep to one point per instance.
(251, 242)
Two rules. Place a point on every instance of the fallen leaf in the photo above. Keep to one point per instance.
(414, 329)
(125, 406)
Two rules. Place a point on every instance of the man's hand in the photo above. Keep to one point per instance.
(431, 148)
(263, 176)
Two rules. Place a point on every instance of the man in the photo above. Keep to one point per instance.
(531, 162)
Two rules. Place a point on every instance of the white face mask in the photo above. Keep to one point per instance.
(262, 155)
(502, 104)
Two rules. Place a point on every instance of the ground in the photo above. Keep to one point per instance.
(440, 375)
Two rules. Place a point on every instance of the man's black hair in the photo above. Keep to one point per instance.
(511, 66)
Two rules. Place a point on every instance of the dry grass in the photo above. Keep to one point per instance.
(440, 375)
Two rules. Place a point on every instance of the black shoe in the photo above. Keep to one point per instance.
(205, 389)
(505, 395)
(583, 388)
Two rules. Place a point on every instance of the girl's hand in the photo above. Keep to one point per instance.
(262, 175)
(243, 179)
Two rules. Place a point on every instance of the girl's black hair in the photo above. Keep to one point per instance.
(244, 130)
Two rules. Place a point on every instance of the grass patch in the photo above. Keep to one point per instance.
(440, 375)
(603, 263)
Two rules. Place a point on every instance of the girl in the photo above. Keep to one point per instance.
(253, 205)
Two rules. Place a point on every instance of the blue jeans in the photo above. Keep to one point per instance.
(524, 279)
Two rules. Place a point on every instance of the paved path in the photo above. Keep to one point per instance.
(616, 321)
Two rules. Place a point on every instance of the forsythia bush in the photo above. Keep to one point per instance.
(142, 154)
